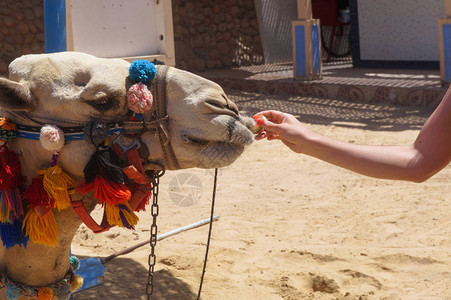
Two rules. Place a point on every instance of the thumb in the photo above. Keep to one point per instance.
(268, 125)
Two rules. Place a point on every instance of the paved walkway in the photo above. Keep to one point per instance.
(341, 82)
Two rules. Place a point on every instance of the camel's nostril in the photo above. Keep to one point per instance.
(230, 105)
(215, 103)
(221, 107)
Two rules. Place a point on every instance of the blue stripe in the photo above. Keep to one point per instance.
(316, 51)
(55, 25)
(28, 135)
(299, 33)
(67, 137)
(447, 50)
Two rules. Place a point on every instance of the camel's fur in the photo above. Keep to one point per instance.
(60, 86)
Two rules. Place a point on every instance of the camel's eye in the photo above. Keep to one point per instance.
(102, 104)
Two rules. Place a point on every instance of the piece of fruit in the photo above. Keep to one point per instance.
(256, 129)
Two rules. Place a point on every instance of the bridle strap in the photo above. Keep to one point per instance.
(83, 214)
(159, 90)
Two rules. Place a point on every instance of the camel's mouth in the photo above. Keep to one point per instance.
(223, 149)
(237, 133)
(220, 154)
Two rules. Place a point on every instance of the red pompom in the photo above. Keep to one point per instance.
(139, 98)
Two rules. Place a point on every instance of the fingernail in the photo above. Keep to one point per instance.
(260, 121)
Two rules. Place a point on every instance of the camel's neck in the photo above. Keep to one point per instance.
(39, 265)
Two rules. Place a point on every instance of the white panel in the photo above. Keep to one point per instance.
(117, 28)
(399, 30)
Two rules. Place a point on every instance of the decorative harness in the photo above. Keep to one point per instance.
(126, 144)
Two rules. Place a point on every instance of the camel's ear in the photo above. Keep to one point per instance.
(14, 96)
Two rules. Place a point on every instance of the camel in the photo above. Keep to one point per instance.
(203, 128)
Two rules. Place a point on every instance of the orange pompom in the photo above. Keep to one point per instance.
(45, 293)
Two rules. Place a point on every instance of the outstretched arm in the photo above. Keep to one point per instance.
(429, 153)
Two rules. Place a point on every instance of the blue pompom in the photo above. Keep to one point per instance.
(13, 292)
(142, 70)
(12, 234)
(75, 263)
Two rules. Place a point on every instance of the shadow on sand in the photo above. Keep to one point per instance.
(126, 279)
(367, 116)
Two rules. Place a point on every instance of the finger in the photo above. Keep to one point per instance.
(272, 115)
(273, 137)
(261, 135)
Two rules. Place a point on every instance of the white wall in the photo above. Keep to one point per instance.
(118, 28)
(399, 30)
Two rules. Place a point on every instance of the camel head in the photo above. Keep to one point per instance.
(203, 126)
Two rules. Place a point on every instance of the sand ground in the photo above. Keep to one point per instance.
(291, 226)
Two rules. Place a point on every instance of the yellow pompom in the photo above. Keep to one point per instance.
(41, 230)
(45, 293)
(58, 185)
(76, 283)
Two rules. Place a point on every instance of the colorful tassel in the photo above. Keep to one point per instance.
(13, 234)
(37, 195)
(41, 230)
(121, 215)
(58, 185)
(9, 168)
(103, 173)
(105, 163)
(10, 179)
(106, 192)
(11, 210)
(10, 205)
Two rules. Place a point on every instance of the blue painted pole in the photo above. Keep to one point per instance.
(316, 49)
(55, 25)
(446, 31)
(301, 68)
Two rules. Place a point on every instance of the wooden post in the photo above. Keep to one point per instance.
(305, 10)
(306, 43)
(444, 29)
(448, 8)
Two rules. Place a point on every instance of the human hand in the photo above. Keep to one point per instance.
(284, 127)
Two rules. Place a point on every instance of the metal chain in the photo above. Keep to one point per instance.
(153, 231)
